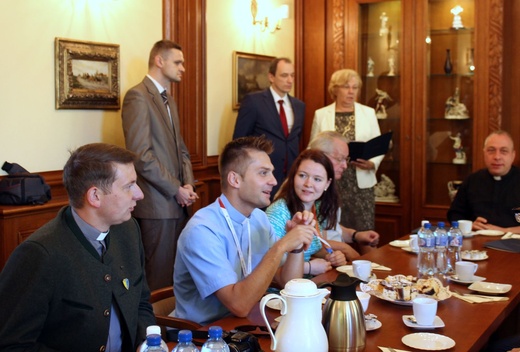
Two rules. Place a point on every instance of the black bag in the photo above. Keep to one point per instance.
(21, 187)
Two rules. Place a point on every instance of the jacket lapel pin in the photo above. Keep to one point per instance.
(126, 283)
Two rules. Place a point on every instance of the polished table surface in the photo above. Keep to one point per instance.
(470, 325)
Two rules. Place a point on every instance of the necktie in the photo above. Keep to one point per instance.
(283, 118)
(164, 97)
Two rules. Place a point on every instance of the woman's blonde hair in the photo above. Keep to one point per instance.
(340, 78)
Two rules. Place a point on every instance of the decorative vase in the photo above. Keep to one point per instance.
(447, 64)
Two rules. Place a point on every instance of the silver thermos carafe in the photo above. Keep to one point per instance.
(343, 317)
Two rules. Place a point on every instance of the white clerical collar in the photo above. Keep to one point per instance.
(102, 236)
(497, 178)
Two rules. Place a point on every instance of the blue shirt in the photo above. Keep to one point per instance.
(207, 259)
(278, 214)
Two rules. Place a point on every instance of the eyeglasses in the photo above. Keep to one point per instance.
(339, 159)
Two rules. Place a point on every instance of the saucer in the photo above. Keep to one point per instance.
(409, 249)
(372, 324)
(489, 232)
(400, 244)
(347, 269)
(428, 341)
(490, 287)
(437, 323)
(476, 278)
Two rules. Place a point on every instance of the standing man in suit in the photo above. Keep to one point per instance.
(276, 115)
(164, 173)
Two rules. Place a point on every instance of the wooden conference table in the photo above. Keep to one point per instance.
(470, 325)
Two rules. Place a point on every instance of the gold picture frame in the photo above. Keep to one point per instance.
(87, 75)
(249, 74)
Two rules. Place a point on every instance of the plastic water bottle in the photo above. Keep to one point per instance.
(441, 243)
(185, 344)
(153, 343)
(154, 333)
(426, 256)
(215, 343)
(454, 245)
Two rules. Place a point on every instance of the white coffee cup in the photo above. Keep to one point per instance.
(362, 269)
(424, 310)
(465, 226)
(465, 270)
(364, 298)
(414, 243)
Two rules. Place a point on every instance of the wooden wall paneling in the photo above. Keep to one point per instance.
(310, 59)
(511, 72)
(184, 23)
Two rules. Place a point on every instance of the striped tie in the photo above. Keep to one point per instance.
(164, 97)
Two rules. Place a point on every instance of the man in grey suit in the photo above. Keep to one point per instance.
(277, 115)
(164, 172)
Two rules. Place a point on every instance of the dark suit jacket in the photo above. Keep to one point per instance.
(54, 289)
(258, 116)
(164, 161)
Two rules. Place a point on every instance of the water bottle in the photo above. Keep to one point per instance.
(154, 333)
(426, 256)
(185, 344)
(454, 246)
(215, 343)
(441, 242)
(153, 344)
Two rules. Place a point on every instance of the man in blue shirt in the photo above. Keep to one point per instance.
(228, 254)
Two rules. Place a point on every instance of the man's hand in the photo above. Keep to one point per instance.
(186, 196)
(369, 238)
(300, 235)
(300, 218)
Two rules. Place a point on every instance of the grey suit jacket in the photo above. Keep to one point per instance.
(258, 115)
(164, 161)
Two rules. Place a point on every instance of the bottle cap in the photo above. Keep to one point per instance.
(185, 336)
(153, 340)
(153, 330)
(455, 223)
(215, 332)
(427, 225)
(440, 224)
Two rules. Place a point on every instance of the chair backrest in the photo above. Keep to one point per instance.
(163, 303)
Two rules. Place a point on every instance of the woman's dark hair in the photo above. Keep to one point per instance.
(328, 210)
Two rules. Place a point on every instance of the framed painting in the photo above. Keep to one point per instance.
(249, 74)
(87, 75)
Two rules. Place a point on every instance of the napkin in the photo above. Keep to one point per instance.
(376, 266)
(509, 235)
(479, 298)
(388, 349)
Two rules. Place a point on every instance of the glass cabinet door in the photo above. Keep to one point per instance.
(449, 98)
(379, 67)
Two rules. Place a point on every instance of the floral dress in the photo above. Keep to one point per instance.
(357, 205)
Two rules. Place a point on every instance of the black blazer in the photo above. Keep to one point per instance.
(258, 116)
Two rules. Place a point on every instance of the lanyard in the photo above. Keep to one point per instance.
(246, 270)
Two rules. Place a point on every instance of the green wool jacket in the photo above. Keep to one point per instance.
(56, 293)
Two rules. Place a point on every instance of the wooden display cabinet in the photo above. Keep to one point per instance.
(418, 33)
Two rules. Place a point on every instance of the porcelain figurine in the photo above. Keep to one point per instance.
(381, 98)
(460, 155)
(370, 67)
(454, 109)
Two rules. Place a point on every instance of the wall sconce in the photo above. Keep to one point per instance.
(457, 20)
(273, 21)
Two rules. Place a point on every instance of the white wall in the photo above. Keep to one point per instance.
(229, 28)
(37, 136)
(32, 132)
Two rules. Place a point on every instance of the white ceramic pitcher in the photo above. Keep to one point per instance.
(300, 328)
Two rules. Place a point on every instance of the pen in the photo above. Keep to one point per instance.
(327, 245)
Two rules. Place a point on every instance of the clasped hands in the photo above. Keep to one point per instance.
(186, 196)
